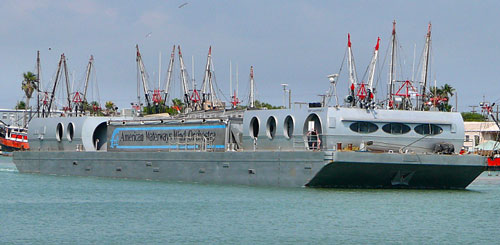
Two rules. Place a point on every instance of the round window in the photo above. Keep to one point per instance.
(288, 127)
(254, 127)
(71, 131)
(271, 127)
(59, 131)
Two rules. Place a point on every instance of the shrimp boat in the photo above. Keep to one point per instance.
(13, 138)
(397, 143)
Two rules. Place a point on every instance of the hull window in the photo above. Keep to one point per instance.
(71, 131)
(363, 127)
(99, 137)
(288, 127)
(59, 131)
(428, 129)
(254, 127)
(271, 127)
(396, 128)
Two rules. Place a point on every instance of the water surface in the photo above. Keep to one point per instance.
(44, 209)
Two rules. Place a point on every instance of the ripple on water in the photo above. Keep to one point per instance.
(50, 209)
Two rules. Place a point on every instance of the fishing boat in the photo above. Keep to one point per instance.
(13, 138)
(400, 142)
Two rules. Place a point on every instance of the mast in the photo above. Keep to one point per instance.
(87, 76)
(195, 99)
(352, 70)
(230, 80)
(55, 84)
(159, 70)
(38, 83)
(67, 82)
(425, 66)
(206, 86)
(192, 73)
(237, 82)
(142, 70)
(169, 74)
(213, 93)
(252, 89)
(390, 99)
(184, 79)
(371, 74)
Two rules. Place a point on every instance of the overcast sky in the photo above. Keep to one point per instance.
(294, 42)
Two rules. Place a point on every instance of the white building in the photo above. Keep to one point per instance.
(14, 117)
(479, 132)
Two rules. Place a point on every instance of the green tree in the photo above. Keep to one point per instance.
(177, 102)
(261, 105)
(447, 91)
(473, 117)
(95, 108)
(29, 85)
(110, 107)
(177, 105)
(21, 105)
(435, 92)
(441, 96)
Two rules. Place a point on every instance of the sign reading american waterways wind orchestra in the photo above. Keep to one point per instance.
(167, 137)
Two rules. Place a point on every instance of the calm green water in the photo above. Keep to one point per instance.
(76, 210)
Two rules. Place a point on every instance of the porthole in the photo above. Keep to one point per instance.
(428, 129)
(71, 131)
(271, 127)
(288, 127)
(396, 128)
(254, 127)
(59, 131)
(99, 137)
(363, 127)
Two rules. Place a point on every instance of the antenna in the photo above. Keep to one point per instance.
(333, 84)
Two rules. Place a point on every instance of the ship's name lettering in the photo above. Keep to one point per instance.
(131, 137)
(170, 136)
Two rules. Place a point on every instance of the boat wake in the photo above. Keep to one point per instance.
(8, 170)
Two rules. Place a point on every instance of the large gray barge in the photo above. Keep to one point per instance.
(311, 147)
(399, 142)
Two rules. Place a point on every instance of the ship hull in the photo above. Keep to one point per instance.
(286, 169)
(399, 171)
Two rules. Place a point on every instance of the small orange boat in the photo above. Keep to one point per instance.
(13, 138)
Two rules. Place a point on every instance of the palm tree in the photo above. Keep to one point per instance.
(110, 107)
(29, 85)
(435, 92)
(177, 102)
(21, 105)
(447, 90)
